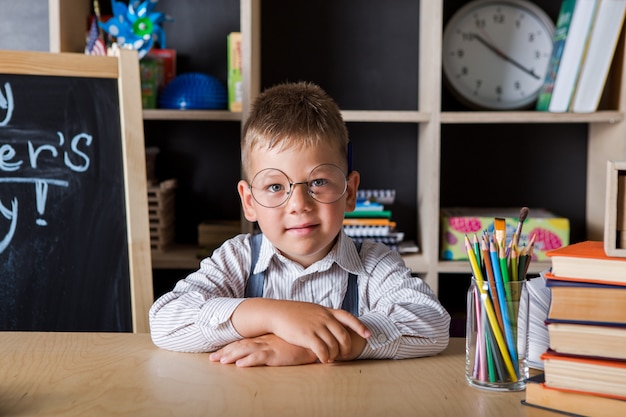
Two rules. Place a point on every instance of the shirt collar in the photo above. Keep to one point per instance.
(347, 256)
(344, 253)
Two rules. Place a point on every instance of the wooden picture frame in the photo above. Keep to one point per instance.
(615, 214)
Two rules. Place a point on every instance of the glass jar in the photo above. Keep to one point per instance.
(496, 349)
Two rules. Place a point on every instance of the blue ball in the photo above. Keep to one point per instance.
(194, 91)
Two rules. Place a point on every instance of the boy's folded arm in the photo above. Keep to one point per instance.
(187, 322)
(327, 332)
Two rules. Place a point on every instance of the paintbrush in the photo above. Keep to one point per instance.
(499, 227)
(523, 213)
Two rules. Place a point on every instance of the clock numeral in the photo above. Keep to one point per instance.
(499, 18)
(479, 83)
(480, 23)
(467, 36)
(531, 37)
(517, 85)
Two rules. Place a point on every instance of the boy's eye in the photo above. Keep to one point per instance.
(319, 182)
(275, 188)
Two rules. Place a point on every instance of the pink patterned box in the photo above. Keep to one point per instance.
(551, 231)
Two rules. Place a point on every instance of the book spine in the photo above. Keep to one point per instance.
(368, 213)
(235, 87)
(573, 55)
(559, 40)
(602, 43)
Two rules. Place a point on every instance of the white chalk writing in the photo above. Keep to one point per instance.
(76, 159)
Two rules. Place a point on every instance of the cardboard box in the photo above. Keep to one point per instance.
(235, 87)
(212, 234)
(150, 74)
(161, 205)
(167, 60)
(158, 68)
(551, 231)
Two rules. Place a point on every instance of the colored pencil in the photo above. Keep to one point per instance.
(491, 279)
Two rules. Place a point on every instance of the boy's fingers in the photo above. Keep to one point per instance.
(216, 356)
(352, 322)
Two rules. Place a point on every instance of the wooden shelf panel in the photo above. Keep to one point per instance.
(606, 116)
(390, 116)
(190, 115)
(378, 116)
(177, 256)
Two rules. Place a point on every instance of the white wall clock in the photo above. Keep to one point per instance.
(496, 53)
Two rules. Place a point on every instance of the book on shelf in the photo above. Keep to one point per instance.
(587, 262)
(359, 213)
(585, 374)
(235, 86)
(582, 302)
(605, 32)
(371, 220)
(382, 196)
(587, 340)
(569, 402)
(570, 39)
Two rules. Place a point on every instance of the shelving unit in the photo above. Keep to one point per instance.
(430, 118)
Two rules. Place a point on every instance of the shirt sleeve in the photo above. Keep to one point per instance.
(195, 315)
(402, 312)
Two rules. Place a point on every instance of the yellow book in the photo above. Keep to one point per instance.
(235, 89)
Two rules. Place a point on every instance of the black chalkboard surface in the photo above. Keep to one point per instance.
(67, 259)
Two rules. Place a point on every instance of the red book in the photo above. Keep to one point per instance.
(587, 262)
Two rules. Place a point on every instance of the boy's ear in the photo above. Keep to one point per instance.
(246, 201)
(354, 178)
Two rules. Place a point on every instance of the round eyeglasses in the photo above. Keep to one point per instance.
(271, 187)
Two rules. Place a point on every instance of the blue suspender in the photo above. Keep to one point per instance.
(254, 286)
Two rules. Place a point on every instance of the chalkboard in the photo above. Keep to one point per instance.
(74, 234)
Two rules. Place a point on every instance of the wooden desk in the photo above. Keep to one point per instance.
(124, 374)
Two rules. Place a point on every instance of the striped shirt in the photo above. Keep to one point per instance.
(403, 314)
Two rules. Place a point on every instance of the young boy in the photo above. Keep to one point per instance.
(297, 187)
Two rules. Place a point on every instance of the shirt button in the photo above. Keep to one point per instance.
(381, 338)
(214, 321)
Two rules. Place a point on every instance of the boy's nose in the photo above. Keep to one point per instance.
(300, 196)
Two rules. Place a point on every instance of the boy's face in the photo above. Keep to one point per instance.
(302, 229)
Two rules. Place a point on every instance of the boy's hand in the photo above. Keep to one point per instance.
(269, 350)
(327, 332)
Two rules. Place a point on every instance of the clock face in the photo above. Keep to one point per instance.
(496, 53)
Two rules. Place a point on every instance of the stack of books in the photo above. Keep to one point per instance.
(371, 219)
(585, 40)
(585, 364)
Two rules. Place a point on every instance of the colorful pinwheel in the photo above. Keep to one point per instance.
(136, 26)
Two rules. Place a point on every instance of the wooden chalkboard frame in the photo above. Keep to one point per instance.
(124, 67)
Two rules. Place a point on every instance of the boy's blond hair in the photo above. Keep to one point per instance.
(293, 115)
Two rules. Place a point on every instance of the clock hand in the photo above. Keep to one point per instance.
(505, 57)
